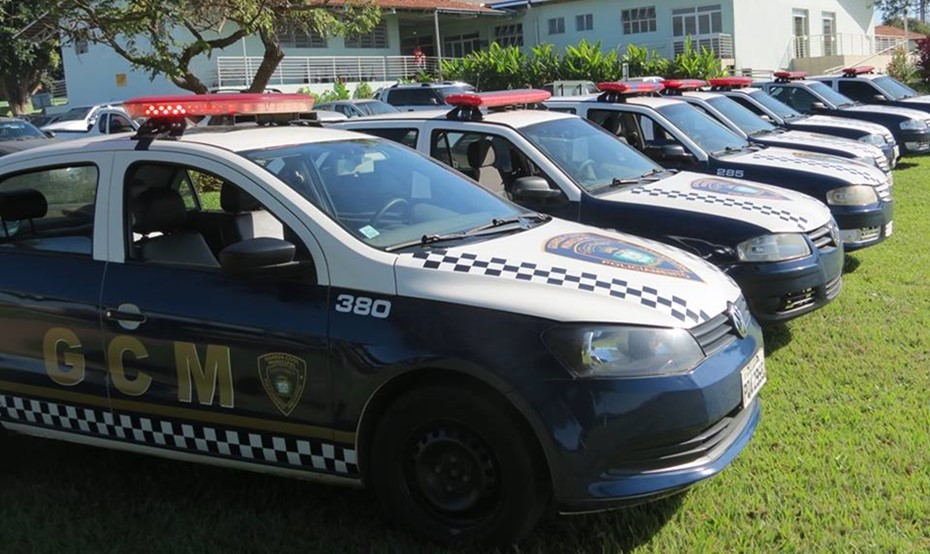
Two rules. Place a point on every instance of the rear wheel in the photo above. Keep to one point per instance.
(453, 465)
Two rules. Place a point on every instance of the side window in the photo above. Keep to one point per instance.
(861, 91)
(120, 124)
(744, 102)
(413, 97)
(655, 134)
(406, 136)
(563, 110)
(493, 161)
(621, 124)
(795, 97)
(102, 124)
(49, 210)
(178, 215)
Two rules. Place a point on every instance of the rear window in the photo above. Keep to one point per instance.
(413, 97)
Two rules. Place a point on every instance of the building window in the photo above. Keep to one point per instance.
(585, 22)
(80, 46)
(293, 37)
(638, 20)
(557, 26)
(509, 35)
(702, 20)
(376, 38)
(459, 46)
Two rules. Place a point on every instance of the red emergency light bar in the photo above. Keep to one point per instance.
(733, 82)
(627, 87)
(218, 104)
(497, 99)
(789, 74)
(684, 84)
(858, 70)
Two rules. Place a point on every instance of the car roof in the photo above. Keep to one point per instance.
(511, 118)
(650, 101)
(702, 94)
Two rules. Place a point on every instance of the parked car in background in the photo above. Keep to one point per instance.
(420, 96)
(862, 85)
(92, 121)
(17, 134)
(910, 127)
(771, 109)
(357, 108)
(570, 88)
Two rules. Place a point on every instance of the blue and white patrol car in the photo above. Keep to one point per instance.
(679, 136)
(783, 248)
(756, 130)
(766, 106)
(321, 304)
(911, 128)
(862, 85)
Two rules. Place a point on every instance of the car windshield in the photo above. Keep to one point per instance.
(376, 107)
(19, 130)
(831, 96)
(590, 156)
(775, 105)
(894, 88)
(710, 135)
(75, 114)
(748, 122)
(387, 195)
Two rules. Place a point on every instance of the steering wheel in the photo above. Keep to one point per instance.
(385, 209)
(588, 170)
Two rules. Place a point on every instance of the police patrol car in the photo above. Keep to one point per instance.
(679, 136)
(756, 130)
(358, 314)
(766, 106)
(780, 246)
(911, 128)
(862, 85)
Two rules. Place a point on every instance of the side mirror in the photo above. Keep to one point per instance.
(675, 153)
(766, 117)
(533, 189)
(49, 134)
(259, 254)
(90, 126)
(878, 98)
(818, 106)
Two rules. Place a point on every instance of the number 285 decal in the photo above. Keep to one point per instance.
(363, 306)
(737, 173)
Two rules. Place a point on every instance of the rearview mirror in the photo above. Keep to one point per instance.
(533, 189)
(260, 254)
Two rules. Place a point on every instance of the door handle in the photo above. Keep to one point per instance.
(128, 316)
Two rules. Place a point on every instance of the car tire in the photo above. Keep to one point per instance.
(453, 465)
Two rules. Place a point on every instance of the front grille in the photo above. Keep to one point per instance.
(798, 300)
(676, 454)
(833, 287)
(885, 191)
(822, 238)
(715, 334)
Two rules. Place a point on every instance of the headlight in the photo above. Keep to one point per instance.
(855, 195)
(623, 351)
(867, 160)
(877, 140)
(913, 125)
(773, 248)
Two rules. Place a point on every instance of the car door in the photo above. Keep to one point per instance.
(234, 367)
(52, 227)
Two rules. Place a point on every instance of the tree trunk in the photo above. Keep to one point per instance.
(18, 93)
(190, 82)
(270, 61)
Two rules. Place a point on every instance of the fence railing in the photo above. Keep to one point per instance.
(720, 44)
(841, 44)
(59, 89)
(239, 71)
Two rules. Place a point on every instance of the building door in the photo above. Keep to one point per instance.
(801, 34)
(829, 33)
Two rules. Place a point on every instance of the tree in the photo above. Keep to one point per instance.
(25, 58)
(164, 36)
(895, 9)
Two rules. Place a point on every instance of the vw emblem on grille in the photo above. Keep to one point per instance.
(738, 319)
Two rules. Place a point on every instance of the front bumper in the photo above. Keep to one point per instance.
(861, 227)
(626, 441)
(914, 142)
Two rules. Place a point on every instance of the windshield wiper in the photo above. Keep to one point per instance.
(649, 176)
(494, 226)
(727, 150)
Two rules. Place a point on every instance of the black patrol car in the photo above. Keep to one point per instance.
(764, 105)
(910, 127)
(862, 85)
(346, 310)
(679, 136)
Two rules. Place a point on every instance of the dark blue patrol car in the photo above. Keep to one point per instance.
(326, 305)
(862, 85)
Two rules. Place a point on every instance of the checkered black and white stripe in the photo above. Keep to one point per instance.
(648, 296)
(723, 200)
(248, 446)
(862, 174)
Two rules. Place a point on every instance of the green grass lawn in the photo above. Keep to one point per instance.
(840, 463)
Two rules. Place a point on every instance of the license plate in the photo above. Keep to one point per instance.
(889, 228)
(753, 377)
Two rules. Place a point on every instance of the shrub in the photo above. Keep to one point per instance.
(923, 60)
(587, 61)
(363, 90)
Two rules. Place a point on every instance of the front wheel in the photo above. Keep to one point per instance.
(452, 465)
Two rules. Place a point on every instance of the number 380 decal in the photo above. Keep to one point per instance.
(362, 305)
(736, 173)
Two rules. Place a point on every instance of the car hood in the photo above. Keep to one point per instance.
(922, 99)
(811, 162)
(773, 208)
(804, 138)
(569, 272)
(845, 123)
(10, 146)
(891, 110)
(75, 125)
